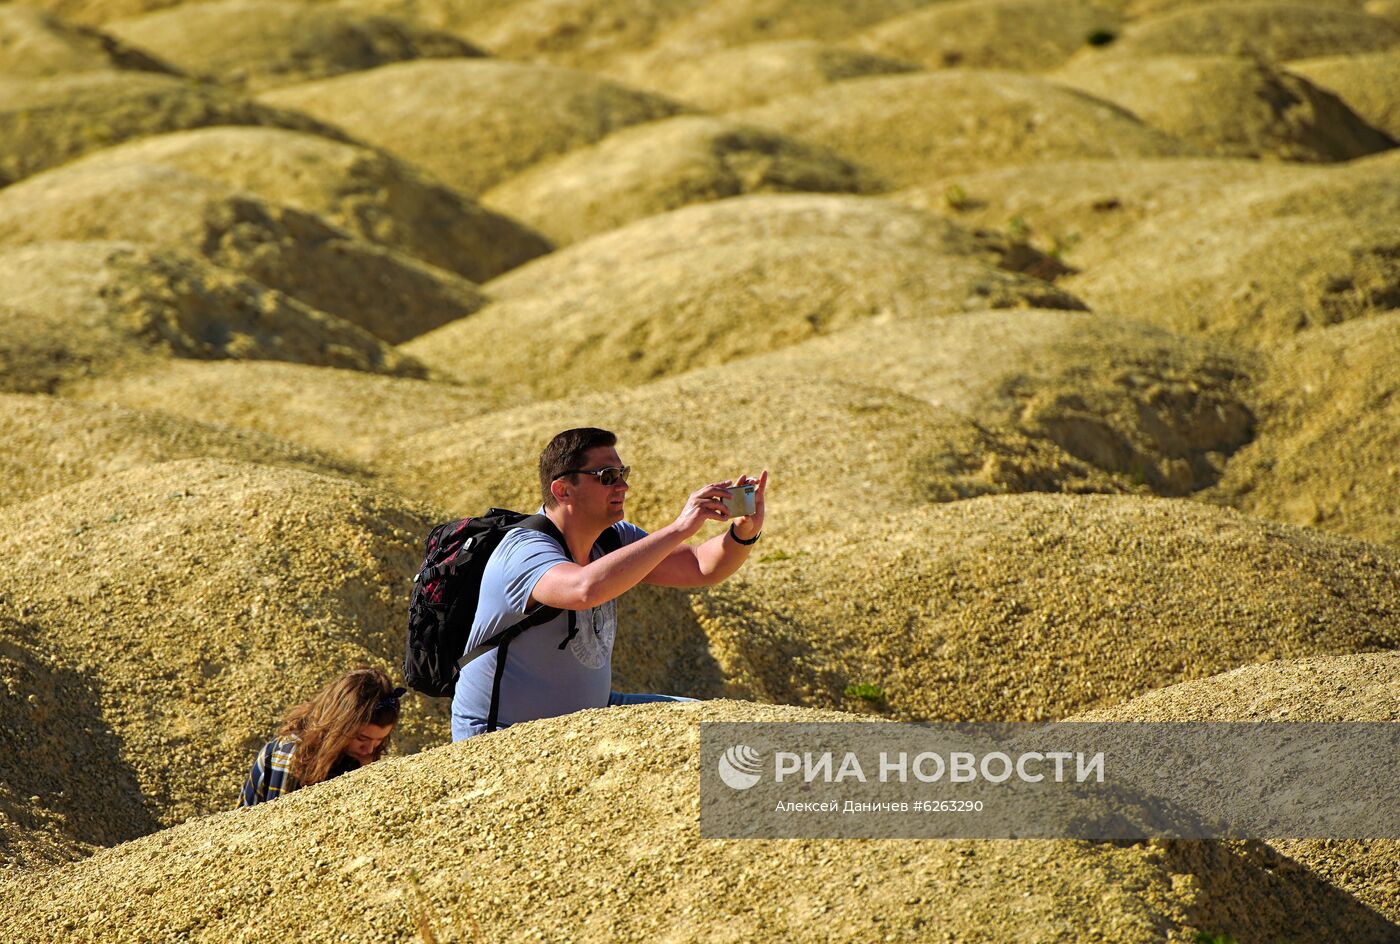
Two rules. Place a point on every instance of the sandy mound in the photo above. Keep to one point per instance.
(35, 44)
(76, 310)
(753, 74)
(388, 294)
(1264, 261)
(44, 122)
(1084, 208)
(663, 165)
(1137, 402)
(1329, 434)
(1230, 106)
(1367, 84)
(891, 450)
(1274, 32)
(53, 443)
(711, 303)
(912, 127)
(364, 192)
(224, 592)
(1340, 688)
(474, 122)
(343, 413)
(1036, 606)
(605, 845)
(991, 34)
(259, 44)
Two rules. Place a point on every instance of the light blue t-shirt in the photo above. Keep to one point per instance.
(541, 680)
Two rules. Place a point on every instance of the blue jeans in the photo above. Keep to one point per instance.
(618, 698)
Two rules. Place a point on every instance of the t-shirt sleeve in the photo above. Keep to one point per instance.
(517, 564)
(629, 532)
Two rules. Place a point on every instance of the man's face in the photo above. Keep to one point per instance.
(593, 498)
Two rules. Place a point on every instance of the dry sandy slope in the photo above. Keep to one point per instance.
(257, 44)
(1329, 437)
(34, 43)
(1230, 106)
(585, 828)
(878, 450)
(1369, 84)
(754, 73)
(51, 443)
(78, 310)
(349, 414)
(388, 294)
(364, 192)
(910, 128)
(47, 121)
(991, 34)
(1027, 607)
(1088, 206)
(661, 166)
(473, 123)
(1135, 401)
(708, 284)
(1339, 688)
(1262, 262)
(201, 598)
(1274, 32)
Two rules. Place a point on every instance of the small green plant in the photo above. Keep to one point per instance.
(873, 694)
(1059, 245)
(1018, 227)
(1204, 938)
(956, 198)
(1100, 37)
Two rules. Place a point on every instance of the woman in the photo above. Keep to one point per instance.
(346, 726)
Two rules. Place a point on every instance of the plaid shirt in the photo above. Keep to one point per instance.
(271, 775)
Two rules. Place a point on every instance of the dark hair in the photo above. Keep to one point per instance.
(565, 452)
(327, 723)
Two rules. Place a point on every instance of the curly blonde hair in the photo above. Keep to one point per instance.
(326, 724)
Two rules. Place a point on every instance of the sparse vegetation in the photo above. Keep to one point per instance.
(866, 692)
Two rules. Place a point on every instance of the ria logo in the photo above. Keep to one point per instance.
(739, 767)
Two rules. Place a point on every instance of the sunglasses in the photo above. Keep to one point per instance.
(606, 477)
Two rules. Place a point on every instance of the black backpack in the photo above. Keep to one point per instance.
(442, 606)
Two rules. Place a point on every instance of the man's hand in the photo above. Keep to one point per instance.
(748, 526)
(707, 504)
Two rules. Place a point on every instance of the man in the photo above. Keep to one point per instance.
(547, 671)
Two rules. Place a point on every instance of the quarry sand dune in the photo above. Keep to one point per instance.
(1274, 32)
(752, 74)
(767, 217)
(1363, 82)
(384, 292)
(991, 34)
(909, 128)
(78, 310)
(349, 414)
(1230, 106)
(365, 192)
(53, 443)
(663, 165)
(1013, 607)
(47, 121)
(225, 592)
(1085, 207)
(1145, 405)
(1325, 453)
(894, 451)
(34, 44)
(614, 793)
(1336, 688)
(1263, 262)
(256, 44)
(698, 307)
(473, 123)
